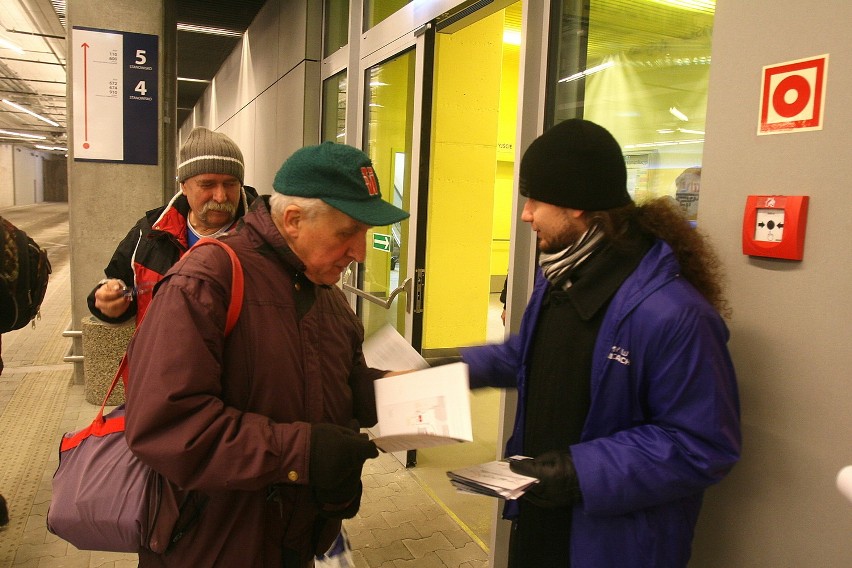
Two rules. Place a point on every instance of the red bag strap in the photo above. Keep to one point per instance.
(237, 282)
(234, 308)
(102, 427)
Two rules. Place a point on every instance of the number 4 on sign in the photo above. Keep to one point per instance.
(141, 88)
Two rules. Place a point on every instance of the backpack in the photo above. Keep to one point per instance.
(24, 271)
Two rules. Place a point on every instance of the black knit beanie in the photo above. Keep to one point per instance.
(576, 164)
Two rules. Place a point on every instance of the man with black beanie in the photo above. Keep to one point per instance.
(627, 397)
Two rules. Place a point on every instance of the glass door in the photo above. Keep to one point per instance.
(439, 112)
(469, 177)
(384, 282)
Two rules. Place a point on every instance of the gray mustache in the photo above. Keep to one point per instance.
(213, 206)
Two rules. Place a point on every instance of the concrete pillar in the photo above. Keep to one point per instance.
(106, 198)
(103, 347)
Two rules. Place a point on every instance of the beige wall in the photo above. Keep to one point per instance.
(780, 507)
(267, 94)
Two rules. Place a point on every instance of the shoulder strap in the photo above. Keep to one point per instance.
(234, 307)
(236, 282)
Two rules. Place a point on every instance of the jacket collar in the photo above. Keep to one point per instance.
(596, 281)
(259, 221)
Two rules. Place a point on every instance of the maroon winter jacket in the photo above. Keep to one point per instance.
(229, 419)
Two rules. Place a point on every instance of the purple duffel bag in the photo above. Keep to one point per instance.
(104, 498)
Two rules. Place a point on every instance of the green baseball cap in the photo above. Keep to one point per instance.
(343, 177)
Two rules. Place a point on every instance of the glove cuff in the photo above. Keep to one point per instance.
(345, 510)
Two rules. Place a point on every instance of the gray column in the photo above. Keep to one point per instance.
(106, 198)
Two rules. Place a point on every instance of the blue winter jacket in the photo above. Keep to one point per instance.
(663, 424)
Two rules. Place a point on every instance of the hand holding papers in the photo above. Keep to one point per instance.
(424, 409)
(494, 479)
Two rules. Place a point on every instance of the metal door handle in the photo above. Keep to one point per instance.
(404, 287)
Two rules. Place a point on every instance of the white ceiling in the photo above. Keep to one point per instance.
(35, 77)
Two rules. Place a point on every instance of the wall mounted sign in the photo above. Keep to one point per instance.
(792, 96)
(115, 96)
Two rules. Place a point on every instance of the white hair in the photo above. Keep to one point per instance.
(311, 206)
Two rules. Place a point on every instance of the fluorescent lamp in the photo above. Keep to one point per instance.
(22, 135)
(589, 71)
(677, 114)
(29, 112)
(188, 80)
(683, 130)
(208, 30)
(703, 6)
(52, 148)
(512, 37)
(657, 144)
(6, 44)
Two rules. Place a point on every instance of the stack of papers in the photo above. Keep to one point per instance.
(424, 409)
(421, 409)
(493, 479)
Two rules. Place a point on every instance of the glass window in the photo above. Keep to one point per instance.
(388, 127)
(336, 26)
(377, 10)
(641, 69)
(334, 108)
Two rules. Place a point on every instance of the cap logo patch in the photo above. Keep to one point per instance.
(370, 180)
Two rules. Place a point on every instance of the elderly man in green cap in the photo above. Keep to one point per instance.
(261, 430)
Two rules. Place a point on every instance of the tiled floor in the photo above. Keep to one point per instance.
(402, 523)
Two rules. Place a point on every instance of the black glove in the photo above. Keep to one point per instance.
(343, 509)
(558, 485)
(337, 456)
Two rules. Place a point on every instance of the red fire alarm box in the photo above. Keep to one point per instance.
(774, 226)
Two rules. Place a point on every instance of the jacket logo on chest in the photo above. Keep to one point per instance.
(619, 354)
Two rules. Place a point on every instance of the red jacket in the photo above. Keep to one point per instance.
(230, 418)
(149, 249)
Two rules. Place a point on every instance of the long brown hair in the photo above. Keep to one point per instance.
(662, 218)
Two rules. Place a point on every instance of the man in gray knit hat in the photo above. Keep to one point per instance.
(211, 199)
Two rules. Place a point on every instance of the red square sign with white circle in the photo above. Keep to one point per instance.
(792, 95)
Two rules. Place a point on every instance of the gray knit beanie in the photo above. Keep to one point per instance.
(208, 152)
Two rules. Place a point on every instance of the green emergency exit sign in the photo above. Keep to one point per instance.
(381, 242)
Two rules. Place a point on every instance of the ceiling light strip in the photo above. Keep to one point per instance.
(208, 30)
(6, 44)
(22, 135)
(29, 112)
(587, 72)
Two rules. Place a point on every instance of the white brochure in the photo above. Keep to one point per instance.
(425, 408)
